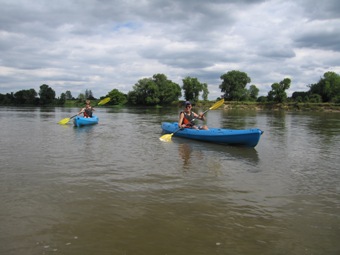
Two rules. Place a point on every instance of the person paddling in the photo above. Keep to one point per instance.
(187, 117)
(87, 110)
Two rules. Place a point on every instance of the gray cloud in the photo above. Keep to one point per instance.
(102, 45)
(320, 10)
(320, 35)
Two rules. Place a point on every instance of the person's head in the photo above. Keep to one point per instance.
(87, 102)
(188, 104)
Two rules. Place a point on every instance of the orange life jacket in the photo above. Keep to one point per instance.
(88, 113)
(188, 119)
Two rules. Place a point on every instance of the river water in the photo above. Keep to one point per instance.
(115, 188)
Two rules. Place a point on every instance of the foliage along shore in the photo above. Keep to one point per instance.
(292, 106)
(228, 105)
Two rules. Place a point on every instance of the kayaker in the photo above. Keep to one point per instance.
(187, 117)
(87, 110)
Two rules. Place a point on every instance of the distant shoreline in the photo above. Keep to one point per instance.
(316, 107)
(256, 106)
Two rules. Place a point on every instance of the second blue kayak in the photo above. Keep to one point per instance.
(245, 137)
(82, 121)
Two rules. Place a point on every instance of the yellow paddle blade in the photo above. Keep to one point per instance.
(104, 101)
(217, 104)
(166, 138)
(64, 121)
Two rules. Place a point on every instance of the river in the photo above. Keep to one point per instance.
(115, 188)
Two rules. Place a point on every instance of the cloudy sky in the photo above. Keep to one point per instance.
(102, 45)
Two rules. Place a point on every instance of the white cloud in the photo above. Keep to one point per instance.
(105, 45)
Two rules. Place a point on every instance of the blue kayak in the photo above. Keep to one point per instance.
(244, 137)
(82, 121)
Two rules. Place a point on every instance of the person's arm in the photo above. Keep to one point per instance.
(180, 120)
(201, 116)
(81, 111)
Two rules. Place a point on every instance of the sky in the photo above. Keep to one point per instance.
(101, 45)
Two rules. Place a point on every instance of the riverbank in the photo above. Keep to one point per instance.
(317, 107)
(323, 107)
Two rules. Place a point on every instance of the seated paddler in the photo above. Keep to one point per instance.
(187, 118)
(87, 110)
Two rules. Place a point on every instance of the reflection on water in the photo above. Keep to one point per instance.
(185, 151)
(190, 150)
(114, 188)
(237, 119)
(325, 125)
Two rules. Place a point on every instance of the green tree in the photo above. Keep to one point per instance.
(46, 94)
(146, 92)
(262, 99)
(26, 97)
(300, 96)
(19, 97)
(81, 97)
(2, 98)
(89, 94)
(132, 97)
(192, 88)
(253, 92)
(315, 98)
(117, 97)
(328, 87)
(153, 91)
(168, 91)
(234, 85)
(62, 99)
(278, 93)
(205, 91)
(68, 95)
(7, 99)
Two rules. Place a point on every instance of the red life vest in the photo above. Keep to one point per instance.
(88, 113)
(188, 119)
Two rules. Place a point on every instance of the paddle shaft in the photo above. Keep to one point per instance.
(202, 115)
(177, 131)
(213, 107)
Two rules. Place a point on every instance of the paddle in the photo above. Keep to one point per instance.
(215, 106)
(104, 101)
(167, 137)
(66, 120)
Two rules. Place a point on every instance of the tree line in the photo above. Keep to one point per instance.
(159, 90)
